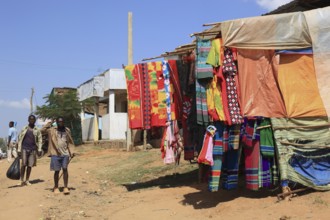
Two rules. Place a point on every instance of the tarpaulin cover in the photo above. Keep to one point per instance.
(318, 21)
(260, 95)
(280, 31)
(313, 146)
(297, 82)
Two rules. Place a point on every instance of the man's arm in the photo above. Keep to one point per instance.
(10, 133)
(39, 138)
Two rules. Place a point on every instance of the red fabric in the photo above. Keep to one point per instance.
(178, 99)
(135, 92)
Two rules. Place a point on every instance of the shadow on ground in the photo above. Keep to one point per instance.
(17, 183)
(167, 181)
(204, 199)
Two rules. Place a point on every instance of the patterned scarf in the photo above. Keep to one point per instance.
(229, 70)
(166, 74)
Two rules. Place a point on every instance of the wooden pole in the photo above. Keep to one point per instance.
(31, 100)
(129, 62)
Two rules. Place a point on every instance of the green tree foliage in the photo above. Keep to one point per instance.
(3, 145)
(67, 106)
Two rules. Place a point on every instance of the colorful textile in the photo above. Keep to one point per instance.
(231, 136)
(177, 95)
(206, 154)
(230, 169)
(267, 145)
(153, 67)
(166, 74)
(314, 143)
(247, 132)
(170, 142)
(265, 175)
(187, 140)
(315, 169)
(215, 55)
(214, 100)
(259, 91)
(252, 158)
(298, 84)
(161, 95)
(275, 173)
(203, 70)
(229, 70)
(214, 179)
(146, 95)
(135, 92)
(201, 104)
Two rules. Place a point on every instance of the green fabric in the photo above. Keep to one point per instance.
(213, 56)
(311, 136)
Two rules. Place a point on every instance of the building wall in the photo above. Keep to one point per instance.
(88, 129)
(118, 120)
(105, 127)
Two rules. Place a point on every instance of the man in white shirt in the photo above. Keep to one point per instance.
(12, 142)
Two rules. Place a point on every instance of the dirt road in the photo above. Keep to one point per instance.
(114, 184)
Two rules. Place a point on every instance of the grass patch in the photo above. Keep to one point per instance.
(141, 166)
(319, 201)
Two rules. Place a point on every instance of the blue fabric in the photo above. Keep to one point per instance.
(297, 51)
(12, 133)
(315, 169)
(58, 162)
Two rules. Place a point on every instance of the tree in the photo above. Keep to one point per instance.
(3, 145)
(65, 105)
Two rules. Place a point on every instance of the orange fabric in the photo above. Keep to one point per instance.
(259, 93)
(297, 81)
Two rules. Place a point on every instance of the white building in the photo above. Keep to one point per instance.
(108, 119)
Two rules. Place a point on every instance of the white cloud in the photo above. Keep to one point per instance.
(22, 104)
(272, 4)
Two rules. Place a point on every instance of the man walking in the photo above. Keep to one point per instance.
(29, 142)
(12, 141)
(60, 149)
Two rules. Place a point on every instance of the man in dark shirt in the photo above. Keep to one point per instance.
(29, 142)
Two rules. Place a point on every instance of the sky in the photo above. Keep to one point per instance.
(64, 43)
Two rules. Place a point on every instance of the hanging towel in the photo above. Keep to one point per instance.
(134, 93)
(206, 154)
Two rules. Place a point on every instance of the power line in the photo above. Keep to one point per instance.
(49, 66)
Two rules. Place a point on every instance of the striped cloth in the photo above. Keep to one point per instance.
(203, 70)
(252, 160)
(201, 104)
(267, 144)
(214, 179)
(265, 172)
(146, 95)
(230, 169)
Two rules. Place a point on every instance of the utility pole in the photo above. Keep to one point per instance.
(129, 62)
(31, 100)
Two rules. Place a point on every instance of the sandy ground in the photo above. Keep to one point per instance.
(97, 198)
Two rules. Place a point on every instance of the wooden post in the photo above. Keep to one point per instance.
(31, 100)
(96, 120)
(129, 62)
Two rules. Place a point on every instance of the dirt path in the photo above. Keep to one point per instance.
(103, 187)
